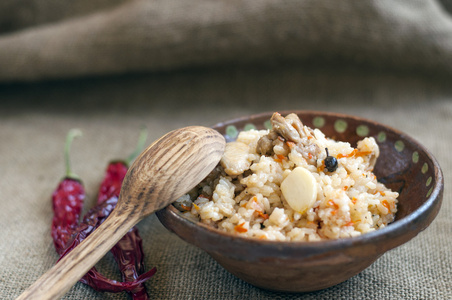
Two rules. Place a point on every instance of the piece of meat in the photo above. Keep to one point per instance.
(292, 129)
(296, 123)
(265, 144)
(284, 128)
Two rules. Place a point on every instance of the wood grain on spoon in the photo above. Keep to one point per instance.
(166, 170)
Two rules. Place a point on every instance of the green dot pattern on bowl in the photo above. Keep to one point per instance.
(399, 146)
(340, 125)
(415, 157)
(268, 124)
(318, 122)
(429, 192)
(429, 181)
(249, 126)
(232, 131)
(381, 137)
(424, 168)
(362, 130)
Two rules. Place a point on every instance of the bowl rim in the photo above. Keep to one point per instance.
(395, 229)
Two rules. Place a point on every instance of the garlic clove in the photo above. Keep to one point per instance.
(299, 189)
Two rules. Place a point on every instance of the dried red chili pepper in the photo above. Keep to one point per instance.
(67, 202)
(93, 219)
(128, 252)
(112, 182)
(129, 256)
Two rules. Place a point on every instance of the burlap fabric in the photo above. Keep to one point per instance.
(56, 39)
(388, 61)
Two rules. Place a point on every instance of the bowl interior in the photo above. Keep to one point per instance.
(404, 165)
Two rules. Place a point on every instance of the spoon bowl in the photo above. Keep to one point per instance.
(166, 170)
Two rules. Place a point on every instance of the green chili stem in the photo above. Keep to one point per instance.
(69, 138)
(140, 146)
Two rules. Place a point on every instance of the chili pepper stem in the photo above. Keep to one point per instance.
(140, 146)
(73, 133)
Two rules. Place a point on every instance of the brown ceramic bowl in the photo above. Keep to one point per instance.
(404, 165)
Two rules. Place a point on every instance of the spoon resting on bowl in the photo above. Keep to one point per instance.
(166, 170)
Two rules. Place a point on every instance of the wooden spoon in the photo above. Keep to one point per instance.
(166, 170)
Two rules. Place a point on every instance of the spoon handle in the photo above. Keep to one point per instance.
(166, 170)
(61, 277)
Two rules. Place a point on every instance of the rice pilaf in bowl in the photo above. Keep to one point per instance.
(302, 201)
(291, 183)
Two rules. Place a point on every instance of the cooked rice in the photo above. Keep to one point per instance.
(246, 199)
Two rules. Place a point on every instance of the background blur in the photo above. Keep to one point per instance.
(109, 67)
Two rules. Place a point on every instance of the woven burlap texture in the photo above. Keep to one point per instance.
(34, 121)
(55, 39)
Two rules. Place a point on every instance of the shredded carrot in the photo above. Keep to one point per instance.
(345, 188)
(351, 223)
(310, 137)
(263, 237)
(279, 158)
(331, 203)
(310, 155)
(264, 216)
(321, 168)
(185, 207)
(363, 153)
(254, 199)
(203, 196)
(385, 203)
(382, 193)
(240, 228)
(195, 206)
(355, 152)
(351, 154)
(354, 200)
(290, 144)
(334, 205)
